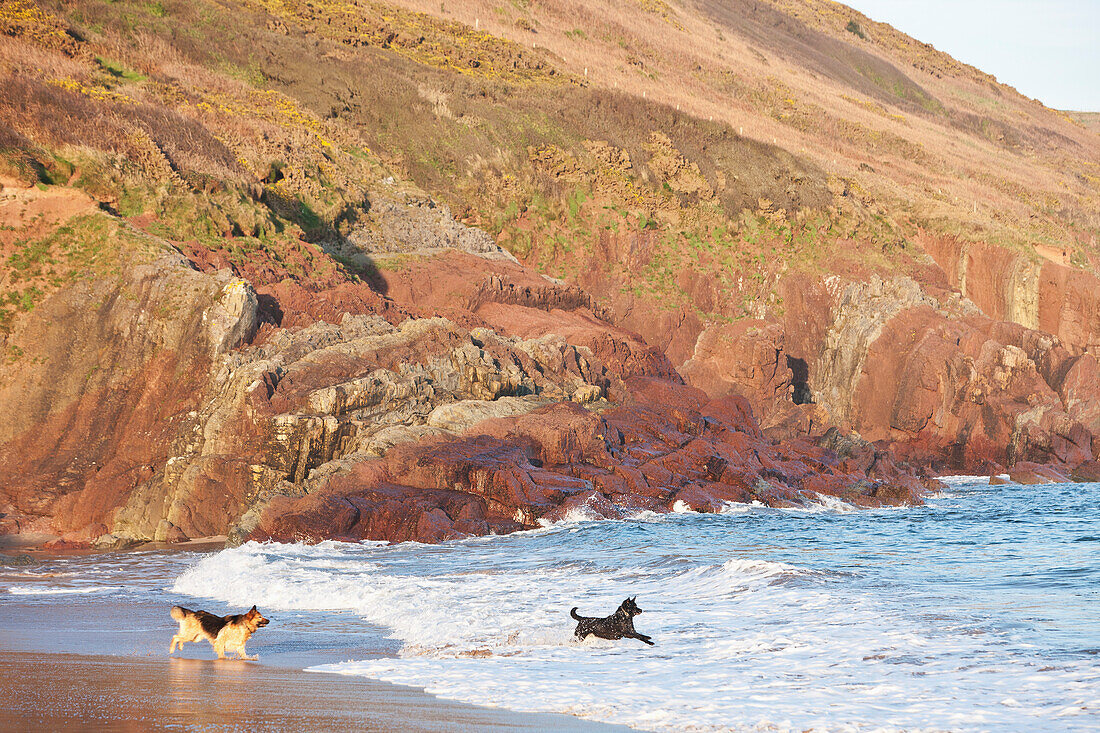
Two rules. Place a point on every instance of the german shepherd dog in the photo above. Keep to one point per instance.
(221, 631)
(618, 625)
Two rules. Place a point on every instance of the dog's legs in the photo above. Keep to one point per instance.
(219, 649)
(642, 637)
(172, 646)
(242, 654)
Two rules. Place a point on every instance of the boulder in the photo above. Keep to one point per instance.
(1026, 472)
(1088, 472)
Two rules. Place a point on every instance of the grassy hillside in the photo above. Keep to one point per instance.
(734, 139)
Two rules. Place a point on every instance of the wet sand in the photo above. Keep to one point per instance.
(69, 692)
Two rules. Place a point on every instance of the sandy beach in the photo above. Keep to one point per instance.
(90, 662)
(70, 692)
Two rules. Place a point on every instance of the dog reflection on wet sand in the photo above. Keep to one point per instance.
(619, 625)
(223, 632)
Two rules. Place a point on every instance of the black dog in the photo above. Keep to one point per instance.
(618, 625)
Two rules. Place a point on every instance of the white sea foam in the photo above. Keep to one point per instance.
(737, 507)
(964, 479)
(826, 503)
(42, 590)
(646, 515)
(744, 642)
(574, 515)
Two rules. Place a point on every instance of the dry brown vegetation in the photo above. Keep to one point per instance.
(739, 139)
(905, 123)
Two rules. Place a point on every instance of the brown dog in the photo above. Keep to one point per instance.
(223, 632)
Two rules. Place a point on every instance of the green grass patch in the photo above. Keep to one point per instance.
(87, 246)
(118, 71)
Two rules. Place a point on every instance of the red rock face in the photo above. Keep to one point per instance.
(1050, 296)
(356, 412)
(991, 387)
(747, 357)
(99, 419)
(289, 304)
(673, 331)
(935, 385)
(668, 447)
(623, 352)
(62, 465)
(1069, 306)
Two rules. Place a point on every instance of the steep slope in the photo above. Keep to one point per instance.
(235, 297)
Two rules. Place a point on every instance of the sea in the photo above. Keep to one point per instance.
(978, 611)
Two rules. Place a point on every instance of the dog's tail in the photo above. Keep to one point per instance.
(573, 613)
(179, 612)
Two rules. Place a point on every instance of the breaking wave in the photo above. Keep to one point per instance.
(825, 618)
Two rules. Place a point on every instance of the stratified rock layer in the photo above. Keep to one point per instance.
(462, 393)
(668, 447)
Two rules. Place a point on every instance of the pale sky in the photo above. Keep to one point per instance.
(1047, 49)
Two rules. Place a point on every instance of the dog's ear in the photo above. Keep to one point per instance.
(253, 610)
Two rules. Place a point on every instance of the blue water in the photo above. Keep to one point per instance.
(978, 611)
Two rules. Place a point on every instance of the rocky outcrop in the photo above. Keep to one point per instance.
(668, 447)
(423, 430)
(918, 369)
(750, 358)
(1034, 290)
(204, 399)
(108, 379)
(862, 313)
(413, 224)
(459, 393)
(317, 401)
(259, 422)
(944, 384)
(746, 357)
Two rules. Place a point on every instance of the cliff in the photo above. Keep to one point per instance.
(398, 271)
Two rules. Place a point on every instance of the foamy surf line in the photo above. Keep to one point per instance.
(820, 503)
(30, 590)
(477, 644)
(964, 479)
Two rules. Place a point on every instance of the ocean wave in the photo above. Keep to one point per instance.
(740, 575)
(574, 515)
(36, 574)
(737, 507)
(827, 503)
(31, 590)
(964, 479)
(779, 624)
(467, 608)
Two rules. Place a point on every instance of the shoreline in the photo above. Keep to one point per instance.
(70, 692)
(93, 660)
(37, 544)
